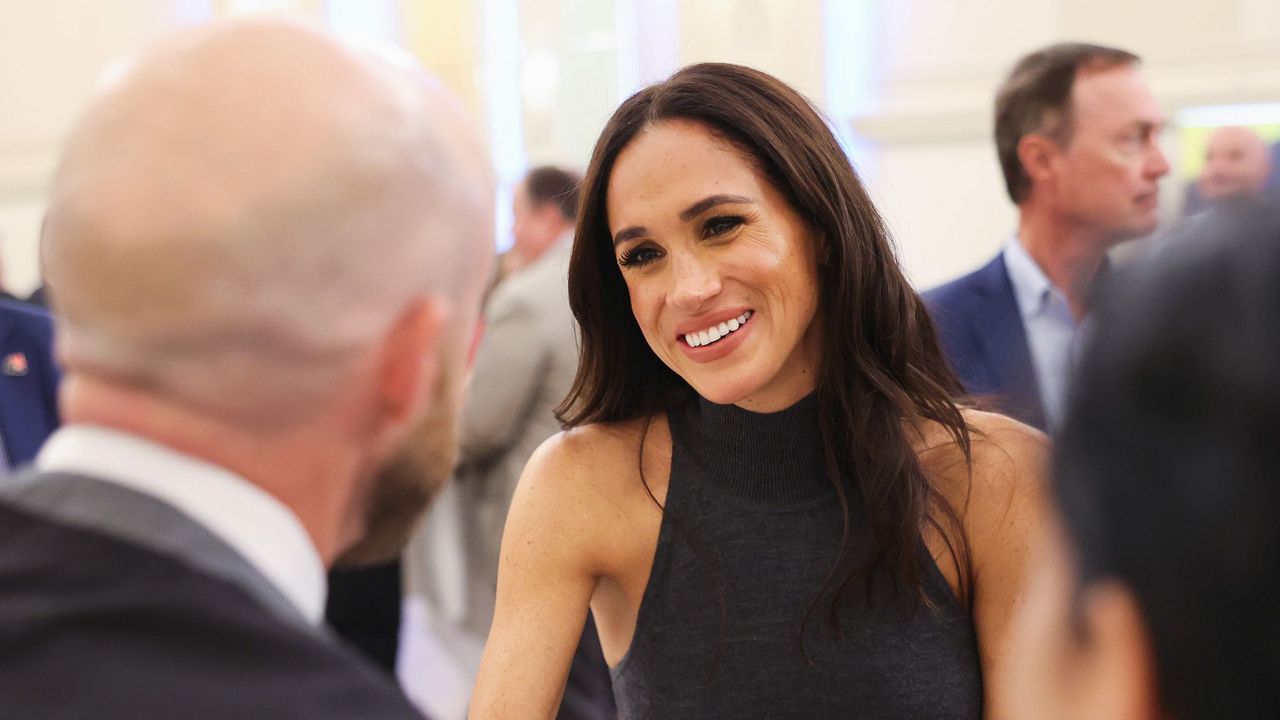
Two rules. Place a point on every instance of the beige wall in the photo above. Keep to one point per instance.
(781, 37)
(570, 76)
(51, 55)
(53, 52)
(934, 68)
(445, 36)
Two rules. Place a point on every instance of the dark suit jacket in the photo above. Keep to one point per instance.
(983, 337)
(116, 605)
(28, 381)
(363, 608)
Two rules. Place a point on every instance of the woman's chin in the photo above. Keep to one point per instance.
(723, 393)
(751, 393)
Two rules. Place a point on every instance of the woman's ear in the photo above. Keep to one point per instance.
(821, 247)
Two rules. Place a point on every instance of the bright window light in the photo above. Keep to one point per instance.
(373, 21)
(1229, 115)
(848, 26)
(501, 83)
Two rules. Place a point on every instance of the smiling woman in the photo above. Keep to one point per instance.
(769, 494)
(743, 256)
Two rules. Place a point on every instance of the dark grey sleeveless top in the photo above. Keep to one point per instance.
(750, 530)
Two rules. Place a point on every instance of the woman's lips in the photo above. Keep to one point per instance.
(716, 349)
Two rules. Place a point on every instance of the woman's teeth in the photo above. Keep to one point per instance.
(715, 332)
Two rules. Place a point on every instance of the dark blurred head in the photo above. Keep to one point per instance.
(1162, 578)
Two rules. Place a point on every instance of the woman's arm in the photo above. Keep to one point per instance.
(546, 576)
(1006, 509)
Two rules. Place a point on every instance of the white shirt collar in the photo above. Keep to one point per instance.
(1031, 286)
(250, 520)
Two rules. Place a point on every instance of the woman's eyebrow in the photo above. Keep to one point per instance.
(707, 203)
(686, 215)
(630, 233)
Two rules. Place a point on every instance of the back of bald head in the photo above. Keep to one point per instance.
(1237, 163)
(249, 206)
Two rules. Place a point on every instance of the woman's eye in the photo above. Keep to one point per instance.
(638, 256)
(721, 225)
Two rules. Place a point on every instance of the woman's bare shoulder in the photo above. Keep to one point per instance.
(1004, 454)
(998, 493)
(1000, 486)
(587, 442)
(584, 486)
(1005, 449)
(598, 455)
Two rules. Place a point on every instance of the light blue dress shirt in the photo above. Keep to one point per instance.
(1051, 329)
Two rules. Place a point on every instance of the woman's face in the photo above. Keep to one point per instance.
(721, 270)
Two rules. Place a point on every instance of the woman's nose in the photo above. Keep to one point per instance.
(695, 282)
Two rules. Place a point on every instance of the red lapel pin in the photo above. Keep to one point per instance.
(15, 364)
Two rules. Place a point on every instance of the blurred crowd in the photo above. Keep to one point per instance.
(693, 447)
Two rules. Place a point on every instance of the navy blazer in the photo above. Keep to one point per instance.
(28, 380)
(983, 337)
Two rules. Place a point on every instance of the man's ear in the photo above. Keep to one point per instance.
(1121, 678)
(411, 360)
(1036, 153)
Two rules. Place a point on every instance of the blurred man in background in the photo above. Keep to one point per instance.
(524, 367)
(525, 362)
(1076, 131)
(266, 249)
(541, 215)
(1237, 165)
(1155, 595)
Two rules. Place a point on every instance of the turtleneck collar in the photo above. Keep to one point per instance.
(770, 458)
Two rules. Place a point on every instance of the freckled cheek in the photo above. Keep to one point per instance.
(793, 287)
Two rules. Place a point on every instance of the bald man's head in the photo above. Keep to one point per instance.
(249, 206)
(1237, 163)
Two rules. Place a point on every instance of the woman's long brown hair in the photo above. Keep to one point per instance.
(882, 369)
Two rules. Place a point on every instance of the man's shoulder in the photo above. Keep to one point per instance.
(31, 321)
(959, 295)
(158, 638)
(548, 273)
(538, 294)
